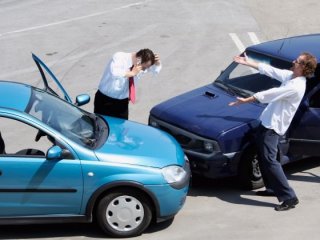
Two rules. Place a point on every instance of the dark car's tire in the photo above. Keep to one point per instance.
(124, 213)
(249, 174)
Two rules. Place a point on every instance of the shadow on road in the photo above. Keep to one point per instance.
(51, 231)
(73, 230)
(229, 191)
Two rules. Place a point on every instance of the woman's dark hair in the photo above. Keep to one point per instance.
(309, 64)
(146, 55)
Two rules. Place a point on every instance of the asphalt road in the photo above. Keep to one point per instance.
(196, 39)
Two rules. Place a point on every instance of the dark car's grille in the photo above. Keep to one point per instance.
(183, 140)
(187, 140)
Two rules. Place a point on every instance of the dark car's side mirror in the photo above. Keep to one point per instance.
(82, 99)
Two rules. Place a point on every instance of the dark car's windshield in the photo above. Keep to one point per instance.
(79, 126)
(242, 80)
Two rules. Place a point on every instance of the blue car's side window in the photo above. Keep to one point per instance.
(19, 139)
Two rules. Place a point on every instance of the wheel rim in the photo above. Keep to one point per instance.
(255, 168)
(124, 213)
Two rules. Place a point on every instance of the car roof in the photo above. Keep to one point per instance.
(14, 95)
(290, 48)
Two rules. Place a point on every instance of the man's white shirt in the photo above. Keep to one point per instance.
(283, 101)
(113, 83)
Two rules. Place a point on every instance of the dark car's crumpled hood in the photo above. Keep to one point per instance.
(205, 111)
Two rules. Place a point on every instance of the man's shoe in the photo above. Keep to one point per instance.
(287, 204)
(265, 193)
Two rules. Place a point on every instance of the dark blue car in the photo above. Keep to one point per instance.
(218, 139)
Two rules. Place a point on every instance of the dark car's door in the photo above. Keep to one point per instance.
(304, 136)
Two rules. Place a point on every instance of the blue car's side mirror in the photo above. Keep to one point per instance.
(82, 99)
(54, 153)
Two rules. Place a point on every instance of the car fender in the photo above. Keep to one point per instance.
(104, 189)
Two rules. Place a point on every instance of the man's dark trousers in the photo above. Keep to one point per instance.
(272, 172)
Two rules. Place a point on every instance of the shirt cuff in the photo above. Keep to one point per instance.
(258, 96)
(261, 68)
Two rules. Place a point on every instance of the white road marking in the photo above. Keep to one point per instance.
(253, 37)
(73, 19)
(237, 41)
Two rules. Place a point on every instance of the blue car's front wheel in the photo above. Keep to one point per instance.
(124, 213)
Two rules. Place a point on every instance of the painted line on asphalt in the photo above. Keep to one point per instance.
(237, 41)
(73, 19)
(254, 38)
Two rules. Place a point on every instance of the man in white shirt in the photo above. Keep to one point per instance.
(114, 92)
(276, 118)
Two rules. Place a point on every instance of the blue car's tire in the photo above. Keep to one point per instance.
(124, 213)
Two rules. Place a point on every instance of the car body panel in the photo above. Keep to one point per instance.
(126, 144)
(289, 48)
(201, 112)
(34, 186)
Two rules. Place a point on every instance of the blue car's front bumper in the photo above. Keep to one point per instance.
(165, 194)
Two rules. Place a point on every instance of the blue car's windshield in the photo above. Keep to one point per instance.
(67, 119)
(245, 81)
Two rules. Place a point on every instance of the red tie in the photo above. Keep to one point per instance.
(132, 91)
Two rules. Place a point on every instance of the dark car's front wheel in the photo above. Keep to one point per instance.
(124, 213)
(249, 171)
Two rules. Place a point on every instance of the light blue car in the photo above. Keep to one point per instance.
(59, 163)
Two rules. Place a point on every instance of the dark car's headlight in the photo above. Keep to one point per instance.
(210, 146)
(153, 123)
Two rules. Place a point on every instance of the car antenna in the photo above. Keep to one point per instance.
(283, 42)
(281, 46)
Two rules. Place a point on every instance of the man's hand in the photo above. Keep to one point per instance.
(245, 61)
(135, 70)
(242, 100)
(241, 60)
(157, 59)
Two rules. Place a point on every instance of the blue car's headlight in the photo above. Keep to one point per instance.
(176, 176)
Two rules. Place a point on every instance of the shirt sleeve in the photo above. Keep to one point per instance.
(276, 73)
(275, 94)
(155, 69)
(117, 66)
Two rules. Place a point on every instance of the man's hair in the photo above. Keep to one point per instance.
(309, 64)
(146, 55)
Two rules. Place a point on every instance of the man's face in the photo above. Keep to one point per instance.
(297, 65)
(146, 65)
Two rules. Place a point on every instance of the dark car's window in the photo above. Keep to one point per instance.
(247, 81)
(72, 122)
(314, 101)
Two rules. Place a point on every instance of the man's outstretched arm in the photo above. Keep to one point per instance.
(245, 61)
